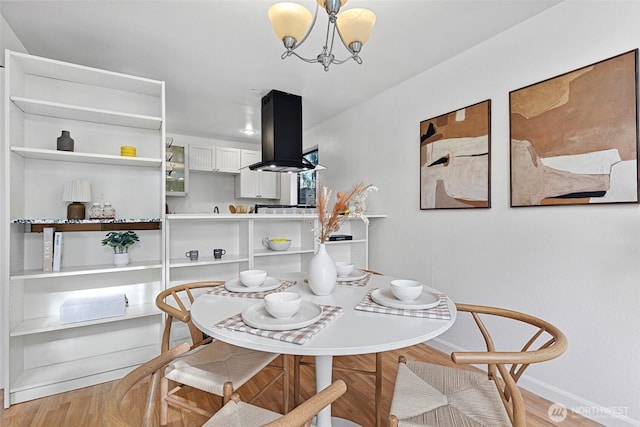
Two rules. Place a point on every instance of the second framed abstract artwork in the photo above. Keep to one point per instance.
(574, 137)
(455, 159)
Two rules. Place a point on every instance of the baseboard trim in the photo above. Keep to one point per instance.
(584, 407)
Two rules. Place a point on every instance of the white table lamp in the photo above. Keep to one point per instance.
(77, 191)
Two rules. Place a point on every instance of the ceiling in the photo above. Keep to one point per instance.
(219, 57)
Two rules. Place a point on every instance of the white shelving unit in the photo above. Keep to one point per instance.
(242, 234)
(103, 110)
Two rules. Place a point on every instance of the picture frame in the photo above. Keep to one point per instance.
(455, 159)
(574, 137)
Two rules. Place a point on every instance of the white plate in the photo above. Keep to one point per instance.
(427, 299)
(235, 285)
(258, 317)
(355, 275)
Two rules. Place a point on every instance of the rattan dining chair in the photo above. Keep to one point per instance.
(299, 361)
(239, 414)
(122, 409)
(115, 413)
(212, 366)
(436, 395)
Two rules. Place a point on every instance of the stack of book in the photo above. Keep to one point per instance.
(51, 249)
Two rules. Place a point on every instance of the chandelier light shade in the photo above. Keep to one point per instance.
(290, 20)
(293, 23)
(355, 26)
(77, 191)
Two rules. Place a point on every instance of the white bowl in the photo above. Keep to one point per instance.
(279, 246)
(344, 268)
(282, 305)
(253, 278)
(406, 290)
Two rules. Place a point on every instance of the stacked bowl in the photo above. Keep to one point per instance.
(127, 150)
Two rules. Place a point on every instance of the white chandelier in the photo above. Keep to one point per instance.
(293, 23)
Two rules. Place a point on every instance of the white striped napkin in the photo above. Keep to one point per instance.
(220, 290)
(295, 336)
(441, 311)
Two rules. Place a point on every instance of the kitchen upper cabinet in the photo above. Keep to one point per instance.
(254, 184)
(214, 159)
(202, 158)
(228, 160)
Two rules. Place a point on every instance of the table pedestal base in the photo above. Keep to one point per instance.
(324, 373)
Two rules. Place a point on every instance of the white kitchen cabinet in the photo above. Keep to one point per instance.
(256, 184)
(228, 160)
(202, 158)
(214, 159)
(103, 111)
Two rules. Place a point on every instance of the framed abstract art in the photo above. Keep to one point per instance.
(455, 159)
(574, 137)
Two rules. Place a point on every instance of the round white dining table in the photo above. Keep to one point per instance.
(353, 332)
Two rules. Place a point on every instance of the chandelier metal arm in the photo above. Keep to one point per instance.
(313, 23)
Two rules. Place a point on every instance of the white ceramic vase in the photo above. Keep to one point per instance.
(322, 272)
(120, 260)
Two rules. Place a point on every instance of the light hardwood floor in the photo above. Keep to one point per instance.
(82, 407)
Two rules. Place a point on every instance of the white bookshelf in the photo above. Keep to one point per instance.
(103, 110)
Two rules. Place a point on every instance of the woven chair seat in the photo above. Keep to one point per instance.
(434, 395)
(210, 366)
(241, 414)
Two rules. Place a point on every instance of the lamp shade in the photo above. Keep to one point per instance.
(77, 190)
(355, 25)
(290, 20)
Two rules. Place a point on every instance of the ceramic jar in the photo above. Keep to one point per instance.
(108, 212)
(322, 272)
(95, 211)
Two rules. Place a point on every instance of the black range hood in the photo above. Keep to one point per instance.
(282, 134)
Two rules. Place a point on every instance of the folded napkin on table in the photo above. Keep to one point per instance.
(295, 336)
(360, 282)
(221, 291)
(441, 311)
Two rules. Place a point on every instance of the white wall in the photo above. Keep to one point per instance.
(575, 266)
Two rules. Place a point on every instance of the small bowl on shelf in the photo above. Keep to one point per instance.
(406, 290)
(282, 305)
(253, 278)
(344, 268)
(280, 244)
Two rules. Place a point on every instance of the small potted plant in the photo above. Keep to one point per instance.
(120, 241)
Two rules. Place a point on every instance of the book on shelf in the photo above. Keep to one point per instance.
(57, 250)
(340, 237)
(47, 248)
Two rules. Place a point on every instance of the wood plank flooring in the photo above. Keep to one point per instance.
(80, 408)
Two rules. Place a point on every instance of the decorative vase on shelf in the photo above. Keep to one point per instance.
(121, 259)
(65, 142)
(322, 272)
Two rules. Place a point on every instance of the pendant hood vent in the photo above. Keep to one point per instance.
(282, 134)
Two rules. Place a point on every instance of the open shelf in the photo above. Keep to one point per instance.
(52, 323)
(206, 260)
(86, 270)
(37, 225)
(51, 68)
(290, 251)
(72, 156)
(86, 114)
(80, 368)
